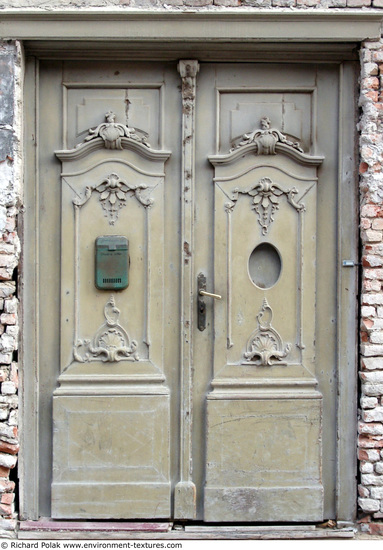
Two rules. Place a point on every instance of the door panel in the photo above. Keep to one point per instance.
(267, 438)
(236, 179)
(117, 359)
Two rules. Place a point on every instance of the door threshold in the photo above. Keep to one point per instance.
(47, 528)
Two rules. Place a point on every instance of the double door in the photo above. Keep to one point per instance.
(188, 274)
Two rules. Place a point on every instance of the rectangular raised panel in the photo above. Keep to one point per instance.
(138, 105)
(255, 193)
(114, 464)
(127, 200)
(241, 109)
(262, 456)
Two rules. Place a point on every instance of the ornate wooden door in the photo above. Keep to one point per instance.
(157, 182)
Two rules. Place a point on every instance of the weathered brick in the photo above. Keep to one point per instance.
(376, 492)
(227, 3)
(372, 455)
(370, 235)
(372, 479)
(7, 498)
(13, 419)
(7, 509)
(366, 468)
(8, 388)
(369, 299)
(7, 460)
(368, 402)
(377, 324)
(372, 363)
(374, 415)
(371, 350)
(373, 428)
(10, 318)
(11, 304)
(369, 260)
(369, 504)
(363, 491)
(372, 377)
(371, 211)
(372, 390)
(372, 285)
(368, 311)
(376, 337)
(9, 448)
(7, 343)
(375, 529)
(7, 288)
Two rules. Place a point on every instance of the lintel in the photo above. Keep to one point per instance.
(241, 25)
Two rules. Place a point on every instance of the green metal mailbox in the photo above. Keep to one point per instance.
(112, 262)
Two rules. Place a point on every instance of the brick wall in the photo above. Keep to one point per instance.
(371, 196)
(9, 254)
(371, 221)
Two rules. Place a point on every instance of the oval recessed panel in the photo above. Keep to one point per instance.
(265, 265)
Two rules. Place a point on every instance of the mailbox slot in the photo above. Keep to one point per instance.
(112, 262)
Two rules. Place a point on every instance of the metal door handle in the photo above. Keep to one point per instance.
(201, 306)
(215, 296)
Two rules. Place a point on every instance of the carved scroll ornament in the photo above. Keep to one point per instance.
(265, 346)
(266, 139)
(266, 195)
(111, 343)
(112, 132)
(113, 194)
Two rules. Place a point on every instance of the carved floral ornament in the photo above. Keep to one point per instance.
(111, 132)
(266, 195)
(265, 346)
(265, 139)
(113, 194)
(111, 342)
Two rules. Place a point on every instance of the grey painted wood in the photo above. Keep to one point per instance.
(159, 25)
(230, 396)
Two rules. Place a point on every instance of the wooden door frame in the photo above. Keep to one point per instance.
(233, 36)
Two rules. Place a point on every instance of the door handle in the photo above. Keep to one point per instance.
(215, 296)
(201, 305)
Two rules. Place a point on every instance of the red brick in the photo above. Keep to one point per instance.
(371, 211)
(374, 95)
(6, 486)
(369, 443)
(4, 472)
(362, 454)
(6, 509)
(364, 519)
(7, 498)
(10, 448)
(375, 529)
